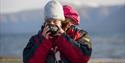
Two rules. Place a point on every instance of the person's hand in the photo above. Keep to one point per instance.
(45, 32)
(60, 31)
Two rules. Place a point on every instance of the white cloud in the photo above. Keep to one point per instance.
(8, 6)
(95, 3)
(81, 3)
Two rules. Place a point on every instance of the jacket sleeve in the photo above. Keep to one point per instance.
(36, 50)
(76, 51)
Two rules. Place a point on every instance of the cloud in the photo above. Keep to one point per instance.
(79, 3)
(9, 6)
(95, 3)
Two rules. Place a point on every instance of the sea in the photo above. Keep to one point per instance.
(112, 46)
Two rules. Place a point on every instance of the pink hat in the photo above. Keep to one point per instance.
(69, 12)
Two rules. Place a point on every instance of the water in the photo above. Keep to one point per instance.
(108, 46)
(13, 44)
(103, 46)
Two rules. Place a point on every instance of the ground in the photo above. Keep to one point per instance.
(18, 60)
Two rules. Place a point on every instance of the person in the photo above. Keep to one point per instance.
(70, 25)
(50, 46)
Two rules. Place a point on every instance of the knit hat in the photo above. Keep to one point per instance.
(53, 10)
(69, 12)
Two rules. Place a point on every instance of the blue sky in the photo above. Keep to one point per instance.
(9, 6)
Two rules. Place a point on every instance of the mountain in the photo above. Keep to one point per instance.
(92, 19)
(112, 22)
(22, 22)
(105, 25)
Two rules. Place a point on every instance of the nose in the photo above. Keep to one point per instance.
(51, 22)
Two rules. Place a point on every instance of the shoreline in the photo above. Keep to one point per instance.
(93, 60)
(106, 60)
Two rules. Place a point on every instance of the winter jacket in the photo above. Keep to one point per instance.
(74, 47)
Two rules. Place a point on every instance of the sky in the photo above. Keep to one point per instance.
(9, 6)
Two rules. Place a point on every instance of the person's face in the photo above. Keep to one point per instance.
(54, 22)
(68, 22)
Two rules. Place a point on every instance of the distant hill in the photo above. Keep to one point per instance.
(22, 22)
(106, 27)
(93, 20)
(113, 22)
